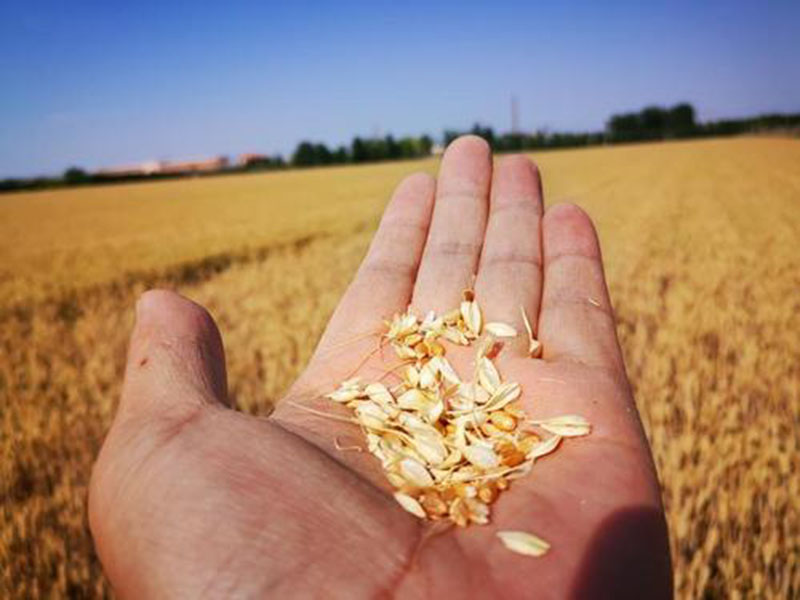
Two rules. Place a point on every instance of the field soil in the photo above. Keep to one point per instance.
(702, 248)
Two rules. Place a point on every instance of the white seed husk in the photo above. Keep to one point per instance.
(410, 504)
(488, 376)
(415, 473)
(534, 345)
(481, 456)
(446, 369)
(449, 446)
(343, 395)
(413, 399)
(471, 313)
(523, 543)
(501, 330)
(544, 447)
(504, 395)
(566, 425)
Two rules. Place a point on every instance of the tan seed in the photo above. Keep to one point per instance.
(422, 349)
(490, 430)
(513, 459)
(449, 494)
(465, 491)
(515, 410)
(503, 421)
(459, 512)
(527, 443)
(433, 504)
(413, 339)
(487, 493)
(478, 511)
(436, 348)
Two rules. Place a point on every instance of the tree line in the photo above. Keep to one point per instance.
(650, 123)
(361, 150)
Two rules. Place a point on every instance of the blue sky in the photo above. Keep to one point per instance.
(102, 83)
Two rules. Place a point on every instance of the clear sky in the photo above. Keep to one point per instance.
(108, 82)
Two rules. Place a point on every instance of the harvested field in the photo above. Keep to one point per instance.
(702, 249)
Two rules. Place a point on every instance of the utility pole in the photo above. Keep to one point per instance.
(514, 115)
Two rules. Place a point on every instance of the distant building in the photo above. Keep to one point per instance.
(194, 166)
(146, 168)
(437, 150)
(247, 159)
(159, 167)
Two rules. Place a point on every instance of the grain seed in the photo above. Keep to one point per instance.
(566, 425)
(410, 504)
(502, 330)
(523, 543)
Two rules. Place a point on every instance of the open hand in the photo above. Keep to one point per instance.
(190, 498)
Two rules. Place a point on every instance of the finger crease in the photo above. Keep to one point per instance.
(554, 259)
(512, 258)
(404, 224)
(454, 248)
(523, 205)
(473, 197)
(390, 267)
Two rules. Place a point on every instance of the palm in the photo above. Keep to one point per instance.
(229, 503)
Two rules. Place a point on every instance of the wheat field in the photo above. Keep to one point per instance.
(702, 248)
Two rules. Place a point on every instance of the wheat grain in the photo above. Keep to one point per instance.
(447, 445)
(523, 543)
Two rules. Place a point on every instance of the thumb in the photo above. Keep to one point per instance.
(175, 359)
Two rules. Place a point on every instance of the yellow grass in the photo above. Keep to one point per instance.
(702, 245)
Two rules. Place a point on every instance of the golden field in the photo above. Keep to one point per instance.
(702, 248)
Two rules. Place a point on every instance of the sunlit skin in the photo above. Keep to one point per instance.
(192, 499)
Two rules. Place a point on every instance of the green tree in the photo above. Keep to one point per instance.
(681, 120)
(425, 145)
(392, 148)
(75, 176)
(487, 133)
(305, 155)
(358, 153)
(653, 121)
(624, 127)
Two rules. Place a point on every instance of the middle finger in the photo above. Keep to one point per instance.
(455, 239)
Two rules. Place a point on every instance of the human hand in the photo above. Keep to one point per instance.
(192, 499)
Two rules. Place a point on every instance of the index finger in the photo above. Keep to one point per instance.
(386, 278)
